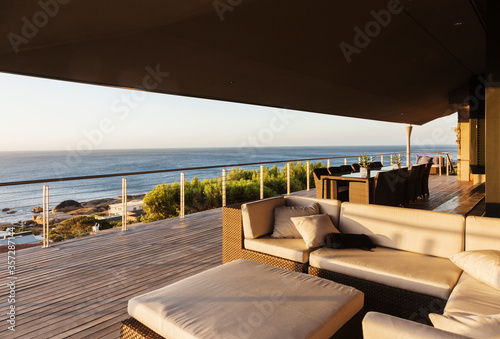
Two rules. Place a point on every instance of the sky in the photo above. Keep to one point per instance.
(41, 114)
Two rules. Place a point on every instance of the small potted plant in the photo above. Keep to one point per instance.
(396, 160)
(364, 162)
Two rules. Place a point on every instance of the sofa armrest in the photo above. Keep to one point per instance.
(382, 326)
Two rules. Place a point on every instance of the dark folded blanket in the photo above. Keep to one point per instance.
(344, 240)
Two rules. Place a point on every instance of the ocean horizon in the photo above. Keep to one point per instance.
(16, 166)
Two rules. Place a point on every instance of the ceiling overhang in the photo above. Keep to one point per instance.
(366, 59)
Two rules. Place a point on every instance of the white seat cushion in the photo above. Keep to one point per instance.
(472, 296)
(244, 299)
(415, 272)
(291, 249)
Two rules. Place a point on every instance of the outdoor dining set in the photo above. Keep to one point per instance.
(382, 185)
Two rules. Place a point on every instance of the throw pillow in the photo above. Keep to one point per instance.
(423, 159)
(283, 226)
(313, 228)
(470, 325)
(345, 240)
(484, 265)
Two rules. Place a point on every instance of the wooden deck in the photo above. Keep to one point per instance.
(80, 288)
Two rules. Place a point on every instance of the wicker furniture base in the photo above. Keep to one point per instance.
(233, 248)
(386, 299)
(132, 329)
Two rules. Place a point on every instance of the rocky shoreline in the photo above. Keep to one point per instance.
(65, 210)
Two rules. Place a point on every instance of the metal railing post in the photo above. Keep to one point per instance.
(261, 181)
(182, 196)
(124, 204)
(45, 217)
(440, 163)
(223, 187)
(382, 160)
(447, 166)
(327, 163)
(308, 175)
(288, 178)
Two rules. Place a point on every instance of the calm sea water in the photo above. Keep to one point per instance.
(25, 166)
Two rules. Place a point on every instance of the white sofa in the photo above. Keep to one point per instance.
(408, 269)
(472, 307)
(407, 275)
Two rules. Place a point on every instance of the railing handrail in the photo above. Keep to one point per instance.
(99, 176)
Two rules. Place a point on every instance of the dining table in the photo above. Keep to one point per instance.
(360, 189)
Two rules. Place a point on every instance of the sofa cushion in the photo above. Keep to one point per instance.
(471, 325)
(415, 272)
(433, 233)
(326, 206)
(313, 229)
(258, 216)
(473, 296)
(484, 265)
(283, 225)
(291, 249)
(482, 233)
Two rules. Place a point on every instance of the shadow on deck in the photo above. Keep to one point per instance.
(80, 288)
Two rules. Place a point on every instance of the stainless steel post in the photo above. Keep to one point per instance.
(308, 175)
(262, 181)
(124, 204)
(223, 187)
(182, 195)
(288, 178)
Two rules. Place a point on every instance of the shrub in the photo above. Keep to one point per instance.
(76, 227)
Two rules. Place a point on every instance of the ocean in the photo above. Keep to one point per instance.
(26, 166)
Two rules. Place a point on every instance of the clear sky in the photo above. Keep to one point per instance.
(41, 114)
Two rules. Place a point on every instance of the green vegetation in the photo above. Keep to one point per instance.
(241, 186)
(76, 227)
(365, 160)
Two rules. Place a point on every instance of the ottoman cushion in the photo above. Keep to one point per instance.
(248, 299)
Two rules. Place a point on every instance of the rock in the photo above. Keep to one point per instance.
(66, 206)
(5, 209)
(11, 212)
(29, 223)
(37, 210)
(85, 211)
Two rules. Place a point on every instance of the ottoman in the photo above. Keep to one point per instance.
(245, 299)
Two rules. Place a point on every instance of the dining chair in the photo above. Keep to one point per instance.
(317, 174)
(425, 180)
(385, 189)
(346, 168)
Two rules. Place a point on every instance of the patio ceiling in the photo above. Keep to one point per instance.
(278, 53)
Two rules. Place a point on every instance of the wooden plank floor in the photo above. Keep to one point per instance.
(80, 288)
